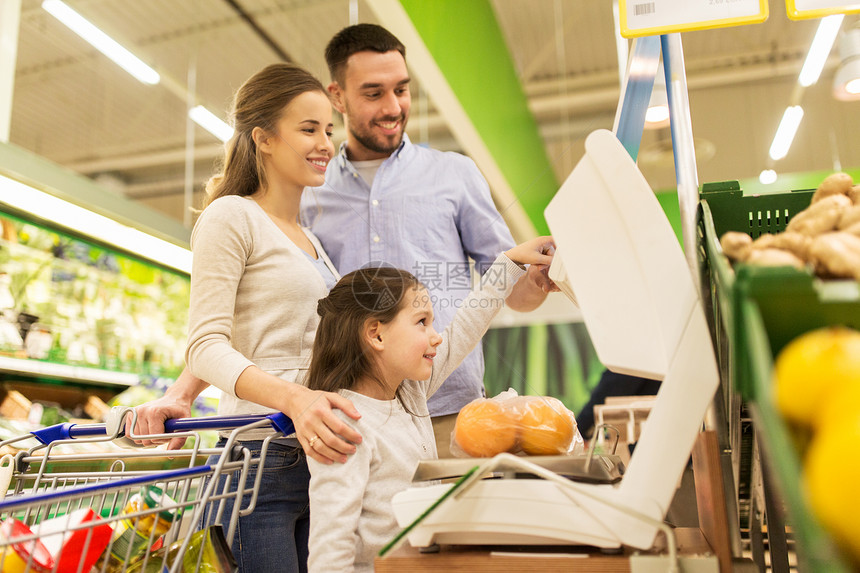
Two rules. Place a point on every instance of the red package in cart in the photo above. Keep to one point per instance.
(22, 556)
(68, 535)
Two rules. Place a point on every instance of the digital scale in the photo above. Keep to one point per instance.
(618, 258)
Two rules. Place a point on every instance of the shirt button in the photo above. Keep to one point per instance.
(374, 202)
(376, 239)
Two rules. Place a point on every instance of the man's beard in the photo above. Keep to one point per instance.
(372, 143)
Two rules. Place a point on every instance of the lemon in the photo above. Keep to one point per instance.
(832, 472)
(812, 366)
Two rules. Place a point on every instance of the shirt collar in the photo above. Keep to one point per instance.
(404, 146)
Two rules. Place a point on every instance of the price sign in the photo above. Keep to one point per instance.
(803, 9)
(652, 17)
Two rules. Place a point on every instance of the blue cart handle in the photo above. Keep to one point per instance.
(68, 430)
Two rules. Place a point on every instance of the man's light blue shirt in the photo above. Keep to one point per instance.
(427, 212)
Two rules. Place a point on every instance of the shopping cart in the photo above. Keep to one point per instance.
(60, 515)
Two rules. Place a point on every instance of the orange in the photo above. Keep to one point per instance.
(485, 428)
(546, 427)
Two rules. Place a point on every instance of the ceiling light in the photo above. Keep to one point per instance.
(101, 41)
(767, 176)
(85, 222)
(846, 83)
(785, 132)
(657, 114)
(210, 122)
(820, 48)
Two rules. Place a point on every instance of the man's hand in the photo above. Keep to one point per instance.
(531, 290)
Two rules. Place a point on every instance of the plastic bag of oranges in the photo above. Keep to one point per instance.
(529, 425)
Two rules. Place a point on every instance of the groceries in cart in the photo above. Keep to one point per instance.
(59, 516)
(133, 536)
(75, 540)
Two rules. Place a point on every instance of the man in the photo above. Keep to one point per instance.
(388, 201)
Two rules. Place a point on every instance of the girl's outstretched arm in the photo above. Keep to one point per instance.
(537, 251)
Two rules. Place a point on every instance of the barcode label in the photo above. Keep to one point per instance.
(644, 8)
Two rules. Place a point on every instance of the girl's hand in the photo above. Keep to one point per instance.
(537, 251)
(323, 436)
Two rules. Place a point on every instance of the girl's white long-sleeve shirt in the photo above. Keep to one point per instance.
(351, 513)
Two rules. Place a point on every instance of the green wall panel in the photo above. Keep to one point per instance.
(465, 40)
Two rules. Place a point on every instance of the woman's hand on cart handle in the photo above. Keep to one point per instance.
(176, 403)
(323, 435)
(151, 417)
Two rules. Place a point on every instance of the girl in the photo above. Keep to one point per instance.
(255, 281)
(376, 346)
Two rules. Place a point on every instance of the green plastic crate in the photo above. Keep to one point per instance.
(754, 313)
(790, 301)
(724, 208)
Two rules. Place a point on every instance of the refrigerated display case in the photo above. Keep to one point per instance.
(76, 309)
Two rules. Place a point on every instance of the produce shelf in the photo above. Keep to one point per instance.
(754, 313)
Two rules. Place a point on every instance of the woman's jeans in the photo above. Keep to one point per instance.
(274, 537)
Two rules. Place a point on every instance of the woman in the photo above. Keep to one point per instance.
(255, 281)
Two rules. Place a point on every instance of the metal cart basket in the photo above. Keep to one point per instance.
(61, 514)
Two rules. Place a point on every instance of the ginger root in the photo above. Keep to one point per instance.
(774, 258)
(836, 254)
(853, 229)
(795, 243)
(825, 235)
(820, 217)
(834, 184)
(850, 216)
(736, 246)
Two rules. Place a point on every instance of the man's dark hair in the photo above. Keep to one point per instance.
(358, 38)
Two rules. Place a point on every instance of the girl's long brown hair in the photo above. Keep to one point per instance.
(259, 102)
(340, 357)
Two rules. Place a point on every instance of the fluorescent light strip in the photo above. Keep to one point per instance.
(90, 224)
(210, 122)
(820, 48)
(785, 132)
(101, 41)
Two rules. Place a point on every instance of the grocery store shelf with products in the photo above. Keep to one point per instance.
(85, 324)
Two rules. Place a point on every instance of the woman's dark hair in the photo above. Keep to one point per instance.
(358, 38)
(259, 102)
(340, 357)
